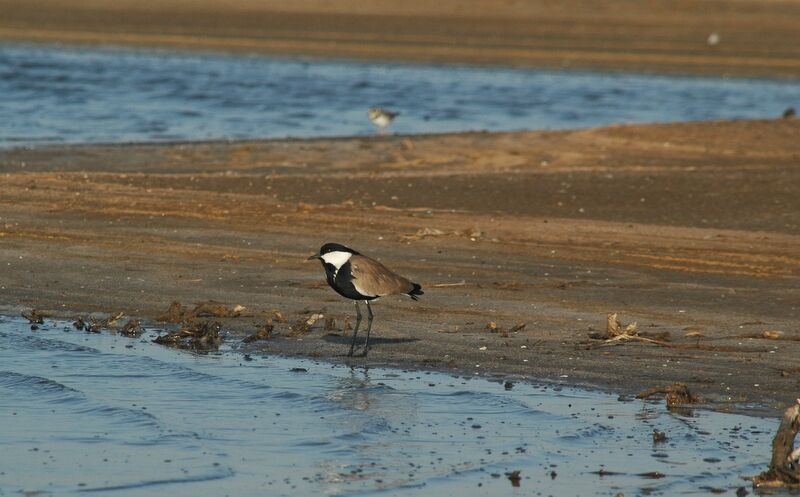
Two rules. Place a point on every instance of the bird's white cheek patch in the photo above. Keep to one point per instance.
(337, 259)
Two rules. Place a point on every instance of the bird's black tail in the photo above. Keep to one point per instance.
(416, 292)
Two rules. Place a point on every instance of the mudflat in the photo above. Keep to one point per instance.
(739, 37)
(691, 230)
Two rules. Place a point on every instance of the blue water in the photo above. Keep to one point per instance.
(53, 94)
(109, 415)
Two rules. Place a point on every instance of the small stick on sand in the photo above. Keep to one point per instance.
(445, 285)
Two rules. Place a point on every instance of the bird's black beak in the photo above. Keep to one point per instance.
(315, 256)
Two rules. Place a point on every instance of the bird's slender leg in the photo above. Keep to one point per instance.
(355, 330)
(369, 327)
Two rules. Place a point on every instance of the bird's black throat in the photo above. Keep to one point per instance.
(342, 281)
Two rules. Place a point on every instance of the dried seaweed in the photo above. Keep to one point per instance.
(174, 314)
(34, 316)
(96, 325)
(177, 313)
(304, 324)
(676, 394)
(264, 332)
(132, 329)
(200, 336)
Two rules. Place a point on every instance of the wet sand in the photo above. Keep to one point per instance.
(756, 37)
(689, 229)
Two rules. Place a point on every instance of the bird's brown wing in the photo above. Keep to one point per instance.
(372, 278)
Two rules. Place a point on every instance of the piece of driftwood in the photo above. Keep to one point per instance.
(617, 332)
(676, 394)
(784, 468)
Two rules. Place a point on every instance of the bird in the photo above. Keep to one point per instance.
(359, 278)
(381, 118)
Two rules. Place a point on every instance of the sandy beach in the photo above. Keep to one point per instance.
(753, 37)
(690, 230)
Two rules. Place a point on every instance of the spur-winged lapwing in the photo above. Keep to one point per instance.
(381, 117)
(357, 277)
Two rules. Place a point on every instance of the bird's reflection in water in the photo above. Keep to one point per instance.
(372, 409)
(359, 392)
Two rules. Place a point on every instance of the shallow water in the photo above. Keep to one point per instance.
(53, 94)
(104, 414)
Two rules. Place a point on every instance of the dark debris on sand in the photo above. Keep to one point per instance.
(95, 325)
(676, 394)
(178, 313)
(303, 325)
(264, 332)
(34, 316)
(659, 436)
(492, 327)
(199, 336)
(132, 329)
(174, 314)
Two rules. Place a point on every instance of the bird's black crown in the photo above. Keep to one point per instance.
(335, 247)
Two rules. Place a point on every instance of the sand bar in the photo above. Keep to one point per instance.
(755, 37)
(691, 230)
